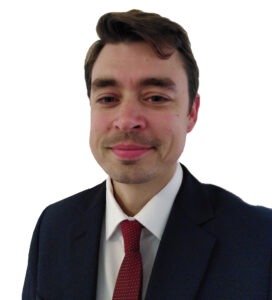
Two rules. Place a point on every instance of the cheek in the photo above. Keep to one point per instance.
(174, 130)
(95, 129)
(99, 128)
(98, 123)
(173, 124)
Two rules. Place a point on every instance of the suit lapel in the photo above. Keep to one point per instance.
(84, 246)
(182, 257)
(185, 248)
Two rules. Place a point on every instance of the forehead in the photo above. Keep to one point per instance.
(135, 60)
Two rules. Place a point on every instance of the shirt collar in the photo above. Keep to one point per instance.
(153, 216)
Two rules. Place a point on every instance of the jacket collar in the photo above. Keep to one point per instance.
(186, 247)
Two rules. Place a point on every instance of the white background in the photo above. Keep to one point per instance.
(44, 110)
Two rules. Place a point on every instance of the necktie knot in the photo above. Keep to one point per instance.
(131, 231)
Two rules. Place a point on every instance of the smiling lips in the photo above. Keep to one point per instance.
(130, 151)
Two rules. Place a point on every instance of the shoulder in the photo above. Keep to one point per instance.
(224, 201)
(81, 199)
(74, 207)
(243, 220)
(230, 213)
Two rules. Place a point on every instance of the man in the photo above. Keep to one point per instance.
(196, 241)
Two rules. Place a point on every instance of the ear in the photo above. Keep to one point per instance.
(192, 116)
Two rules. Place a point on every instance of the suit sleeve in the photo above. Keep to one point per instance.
(30, 284)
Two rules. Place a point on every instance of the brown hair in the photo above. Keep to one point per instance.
(160, 33)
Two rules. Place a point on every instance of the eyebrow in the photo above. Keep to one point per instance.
(103, 82)
(158, 82)
(146, 82)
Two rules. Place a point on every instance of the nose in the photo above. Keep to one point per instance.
(130, 117)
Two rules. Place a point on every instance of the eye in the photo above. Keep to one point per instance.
(156, 99)
(107, 100)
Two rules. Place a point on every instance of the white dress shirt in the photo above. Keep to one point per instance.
(153, 217)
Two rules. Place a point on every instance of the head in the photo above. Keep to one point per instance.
(163, 35)
(142, 80)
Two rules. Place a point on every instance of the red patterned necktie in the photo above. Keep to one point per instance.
(129, 280)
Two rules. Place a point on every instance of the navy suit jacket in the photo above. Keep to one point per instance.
(214, 247)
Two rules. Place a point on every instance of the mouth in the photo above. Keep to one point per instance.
(130, 151)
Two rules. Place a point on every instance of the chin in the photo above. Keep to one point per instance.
(131, 176)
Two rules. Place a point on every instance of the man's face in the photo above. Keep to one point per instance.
(139, 113)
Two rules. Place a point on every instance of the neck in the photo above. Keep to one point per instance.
(133, 197)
